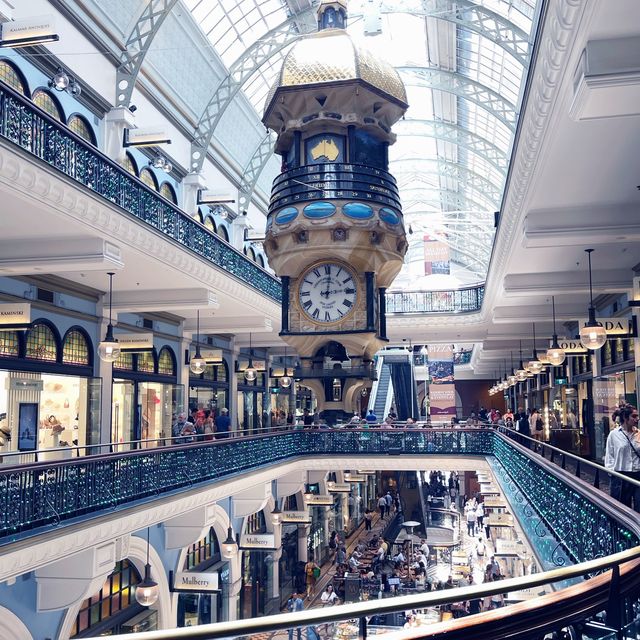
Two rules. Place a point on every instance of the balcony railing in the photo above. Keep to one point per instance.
(35, 498)
(33, 130)
(456, 301)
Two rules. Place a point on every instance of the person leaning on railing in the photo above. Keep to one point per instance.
(622, 454)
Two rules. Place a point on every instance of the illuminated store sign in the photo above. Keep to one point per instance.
(135, 341)
(335, 487)
(14, 315)
(296, 517)
(265, 541)
(211, 355)
(192, 581)
(613, 326)
(318, 500)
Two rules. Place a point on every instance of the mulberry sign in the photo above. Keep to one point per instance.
(192, 581)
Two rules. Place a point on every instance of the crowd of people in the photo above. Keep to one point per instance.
(201, 424)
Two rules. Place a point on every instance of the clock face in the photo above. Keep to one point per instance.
(327, 292)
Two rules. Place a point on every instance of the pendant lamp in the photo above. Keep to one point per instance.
(198, 363)
(147, 591)
(285, 381)
(593, 335)
(555, 354)
(229, 547)
(535, 365)
(250, 373)
(109, 348)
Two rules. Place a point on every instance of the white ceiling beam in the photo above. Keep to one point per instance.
(164, 300)
(58, 255)
(584, 226)
(554, 283)
(539, 313)
(234, 326)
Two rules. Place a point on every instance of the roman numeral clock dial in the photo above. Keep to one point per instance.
(327, 292)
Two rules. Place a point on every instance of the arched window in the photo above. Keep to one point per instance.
(201, 551)
(166, 362)
(148, 178)
(216, 372)
(255, 523)
(81, 127)
(75, 348)
(166, 190)
(47, 103)
(210, 224)
(261, 260)
(117, 593)
(11, 76)
(9, 344)
(223, 233)
(146, 362)
(41, 343)
(252, 254)
(124, 361)
(130, 165)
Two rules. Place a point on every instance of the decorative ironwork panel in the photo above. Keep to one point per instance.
(456, 301)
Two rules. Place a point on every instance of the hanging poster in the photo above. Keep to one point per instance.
(442, 398)
(28, 426)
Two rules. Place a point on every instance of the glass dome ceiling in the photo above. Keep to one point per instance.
(464, 64)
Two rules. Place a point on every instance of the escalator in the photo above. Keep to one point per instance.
(380, 403)
(404, 389)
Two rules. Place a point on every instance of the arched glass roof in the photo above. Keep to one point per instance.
(464, 63)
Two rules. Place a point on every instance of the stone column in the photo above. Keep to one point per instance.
(191, 184)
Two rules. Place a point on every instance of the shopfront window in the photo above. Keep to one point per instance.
(75, 349)
(608, 392)
(62, 410)
(122, 411)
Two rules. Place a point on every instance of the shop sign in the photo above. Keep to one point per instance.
(335, 487)
(192, 581)
(33, 28)
(25, 384)
(318, 500)
(571, 346)
(353, 478)
(135, 341)
(366, 472)
(211, 355)
(296, 517)
(508, 547)
(613, 326)
(15, 314)
(258, 541)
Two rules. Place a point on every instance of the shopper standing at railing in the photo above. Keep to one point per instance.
(622, 454)
(223, 424)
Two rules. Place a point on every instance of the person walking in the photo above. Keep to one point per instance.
(382, 505)
(295, 603)
(312, 573)
(472, 519)
(622, 454)
(480, 515)
(368, 517)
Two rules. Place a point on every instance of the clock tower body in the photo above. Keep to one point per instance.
(335, 232)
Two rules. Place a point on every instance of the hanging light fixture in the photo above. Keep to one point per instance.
(511, 379)
(535, 365)
(593, 335)
(62, 81)
(147, 591)
(555, 354)
(521, 373)
(285, 381)
(229, 547)
(276, 514)
(109, 348)
(250, 374)
(198, 364)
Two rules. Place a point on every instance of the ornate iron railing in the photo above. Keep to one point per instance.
(33, 130)
(36, 497)
(455, 301)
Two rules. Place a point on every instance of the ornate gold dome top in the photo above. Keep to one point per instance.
(331, 56)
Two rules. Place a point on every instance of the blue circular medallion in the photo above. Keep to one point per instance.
(357, 210)
(319, 210)
(389, 216)
(286, 215)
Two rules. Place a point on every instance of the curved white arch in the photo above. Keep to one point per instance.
(12, 627)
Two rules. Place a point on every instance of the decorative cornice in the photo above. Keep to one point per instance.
(558, 32)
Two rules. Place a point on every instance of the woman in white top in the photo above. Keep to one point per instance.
(622, 454)
(329, 596)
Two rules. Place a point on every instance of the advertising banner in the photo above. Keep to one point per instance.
(436, 257)
(440, 363)
(442, 398)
